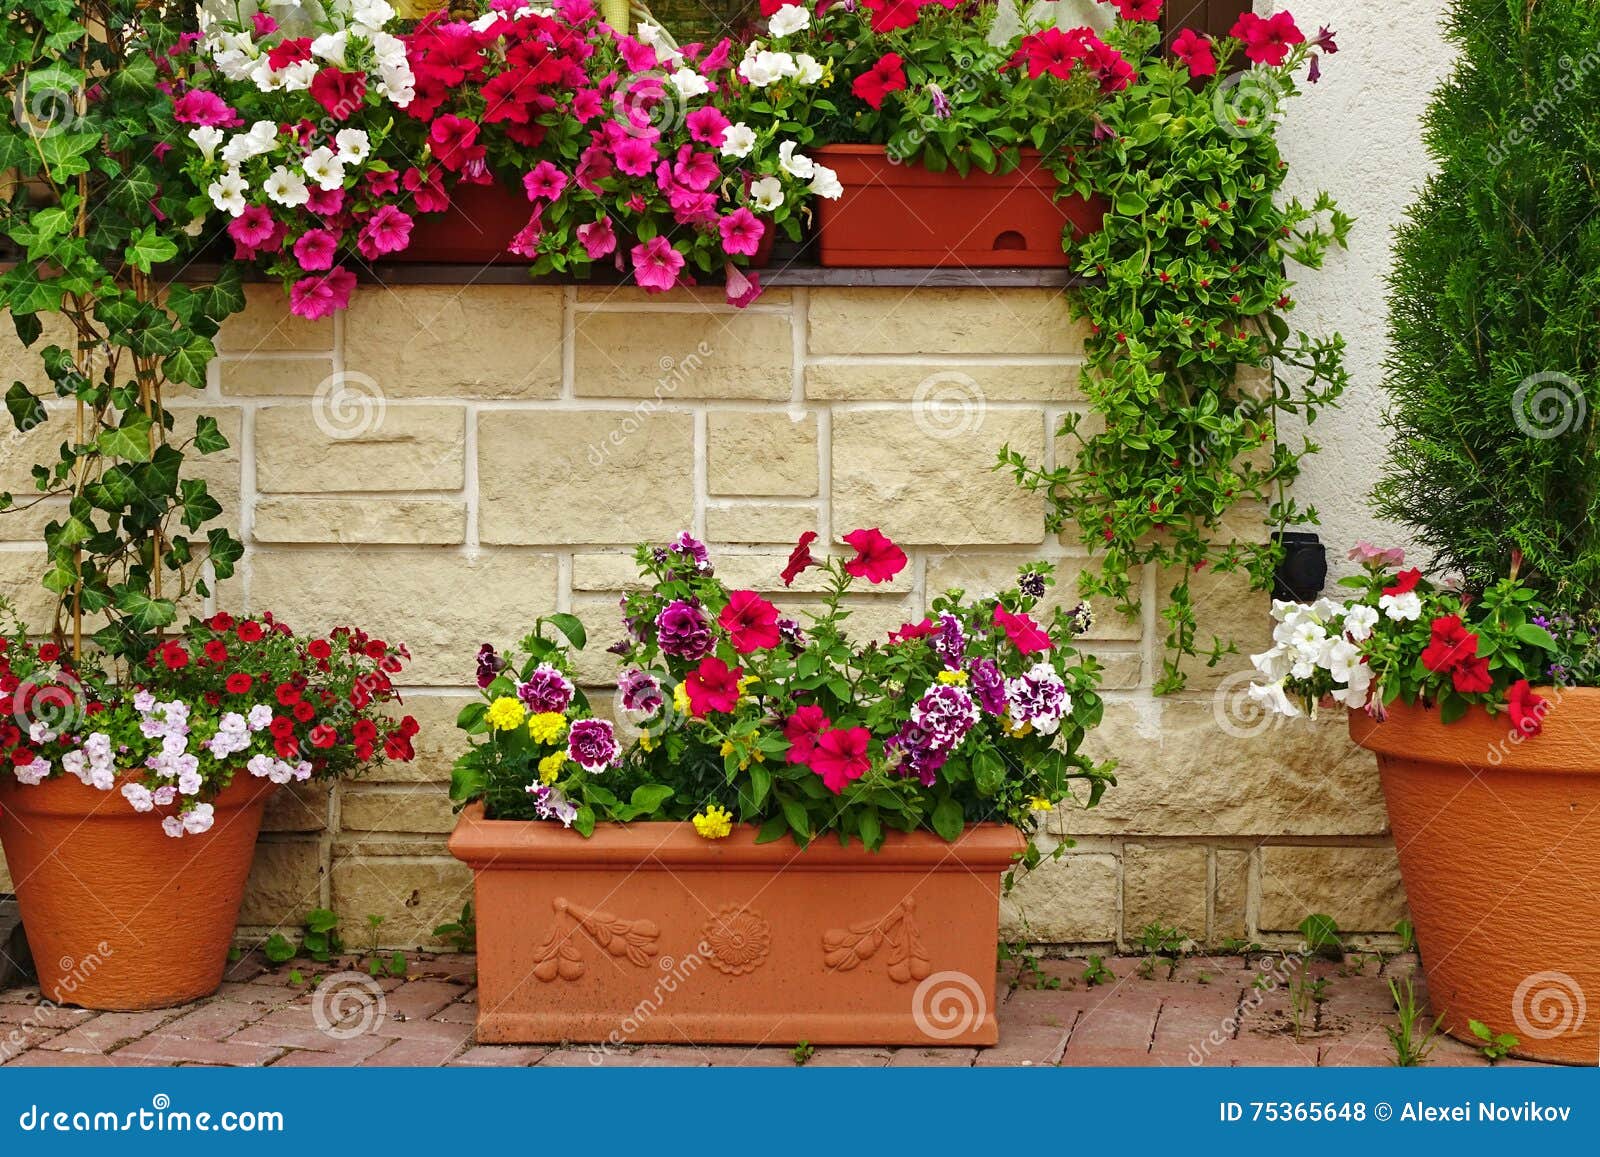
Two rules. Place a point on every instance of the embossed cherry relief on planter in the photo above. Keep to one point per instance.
(936, 906)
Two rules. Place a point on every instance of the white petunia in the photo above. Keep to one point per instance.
(286, 188)
(138, 797)
(689, 83)
(330, 46)
(764, 68)
(807, 70)
(206, 138)
(260, 139)
(1274, 664)
(1359, 621)
(1355, 693)
(373, 13)
(1272, 697)
(1402, 608)
(738, 140)
(324, 168)
(199, 819)
(297, 77)
(227, 192)
(766, 194)
(789, 19)
(825, 183)
(354, 146)
(796, 165)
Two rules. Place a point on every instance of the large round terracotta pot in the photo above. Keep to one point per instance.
(1499, 843)
(120, 915)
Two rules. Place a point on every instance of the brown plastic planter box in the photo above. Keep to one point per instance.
(650, 934)
(903, 215)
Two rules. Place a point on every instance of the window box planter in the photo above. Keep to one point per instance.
(648, 933)
(904, 215)
(1495, 835)
(120, 916)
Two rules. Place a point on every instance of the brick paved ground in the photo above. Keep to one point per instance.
(1198, 1011)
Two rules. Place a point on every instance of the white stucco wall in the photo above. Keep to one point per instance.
(1357, 133)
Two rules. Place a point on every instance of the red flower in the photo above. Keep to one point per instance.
(398, 747)
(338, 91)
(751, 622)
(250, 631)
(289, 51)
(1404, 583)
(323, 736)
(221, 621)
(454, 142)
(799, 558)
(1527, 708)
(1049, 50)
(881, 79)
(286, 747)
(888, 15)
(288, 694)
(909, 631)
(376, 648)
(49, 652)
(216, 651)
(1194, 51)
(238, 683)
(1025, 634)
(877, 559)
(1138, 9)
(319, 649)
(304, 712)
(1113, 71)
(802, 729)
(1449, 644)
(1267, 40)
(364, 731)
(840, 756)
(1471, 676)
(174, 657)
(281, 727)
(713, 686)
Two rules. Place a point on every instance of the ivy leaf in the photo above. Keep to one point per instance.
(207, 438)
(129, 441)
(145, 613)
(27, 411)
(146, 248)
(187, 364)
(198, 506)
(224, 551)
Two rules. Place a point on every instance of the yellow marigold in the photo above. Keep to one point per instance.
(547, 726)
(550, 766)
(958, 678)
(1039, 804)
(680, 699)
(506, 714)
(648, 743)
(713, 823)
(727, 747)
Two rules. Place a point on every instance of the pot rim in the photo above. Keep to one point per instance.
(1568, 744)
(68, 795)
(660, 845)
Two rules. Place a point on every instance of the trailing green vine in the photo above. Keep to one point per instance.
(1191, 362)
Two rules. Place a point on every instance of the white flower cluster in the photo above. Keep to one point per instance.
(760, 68)
(93, 763)
(265, 767)
(238, 56)
(1039, 698)
(1312, 637)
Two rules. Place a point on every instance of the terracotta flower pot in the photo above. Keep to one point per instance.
(903, 215)
(120, 915)
(1499, 839)
(648, 933)
(482, 220)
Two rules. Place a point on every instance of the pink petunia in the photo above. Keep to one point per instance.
(252, 228)
(707, 126)
(597, 238)
(656, 264)
(199, 107)
(315, 298)
(638, 57)
(741, 288)
(634, 156)
(1194, 51)
(526, 242)
(315, 249)
(325, 202)
(427, 190)
(741, 232)
(695, 169)
(586, 105)
(544, 182)
(387, 231)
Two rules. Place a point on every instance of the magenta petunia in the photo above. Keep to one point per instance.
(388, 230)
(741, 232)
(315, 249)
(597, 238)
(707, 126)
(199, 107)
(315, 298)
(656, 264)
(544, 182)
(635, 157)
(252, 228)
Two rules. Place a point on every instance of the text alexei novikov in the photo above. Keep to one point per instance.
(1528, 1111)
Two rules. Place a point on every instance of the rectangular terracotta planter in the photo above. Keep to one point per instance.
(650, 934)
(904, 215)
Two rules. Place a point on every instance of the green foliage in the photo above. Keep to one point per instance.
(1095, 971)
(93, 211)
(1411, 1038)
(1494, 372)
(462, 932)
(1408, 935)
(319, 940)
(1192, 364)
(1496, 1045)
(803, 1052)
(1320, 935)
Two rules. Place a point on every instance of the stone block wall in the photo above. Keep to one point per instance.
(445, 462)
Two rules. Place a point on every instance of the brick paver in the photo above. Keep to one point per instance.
(1205, 1011)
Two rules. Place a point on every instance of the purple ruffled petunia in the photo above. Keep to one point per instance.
(682, 630)
(641, 692)
(988, 684)
(545, 690)
(592, 744)
(950, 642)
